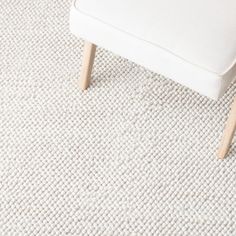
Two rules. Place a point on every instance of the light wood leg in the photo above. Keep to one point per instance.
(228, 133)
(87, 64)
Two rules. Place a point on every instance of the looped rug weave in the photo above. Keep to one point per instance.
(132, 155)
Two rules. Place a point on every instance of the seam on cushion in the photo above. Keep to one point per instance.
(156, 45)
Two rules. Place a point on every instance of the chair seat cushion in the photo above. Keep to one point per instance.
(199, 35)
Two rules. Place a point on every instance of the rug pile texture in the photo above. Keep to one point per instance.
(135, 154)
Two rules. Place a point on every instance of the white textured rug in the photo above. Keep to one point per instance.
(133, 155)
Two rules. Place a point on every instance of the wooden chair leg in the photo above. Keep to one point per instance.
(228, 133)
(87, 64)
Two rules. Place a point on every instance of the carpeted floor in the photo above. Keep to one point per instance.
(133, 155)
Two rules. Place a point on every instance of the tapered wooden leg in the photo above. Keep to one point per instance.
(228, 133)
(87, 64)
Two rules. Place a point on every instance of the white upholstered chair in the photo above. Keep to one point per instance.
(190, 41)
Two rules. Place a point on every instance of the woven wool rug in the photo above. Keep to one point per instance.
(132, 155)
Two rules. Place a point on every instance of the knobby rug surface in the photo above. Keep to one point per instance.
(135, 154)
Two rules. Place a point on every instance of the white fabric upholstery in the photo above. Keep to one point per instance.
(191, 42)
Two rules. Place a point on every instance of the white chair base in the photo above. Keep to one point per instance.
(208, 67)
